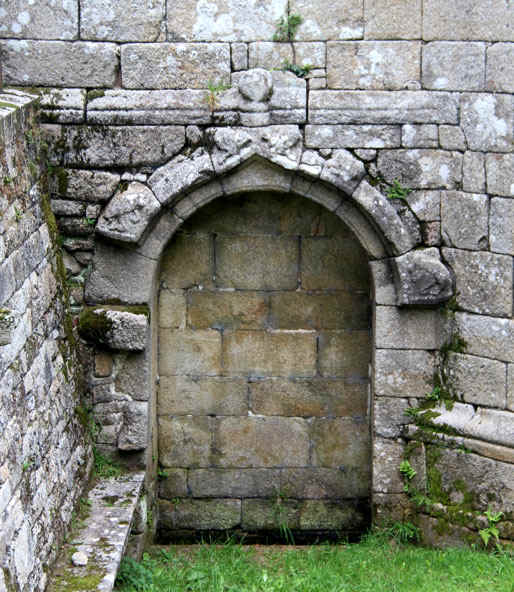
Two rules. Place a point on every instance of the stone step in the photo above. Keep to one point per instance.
(101, 538)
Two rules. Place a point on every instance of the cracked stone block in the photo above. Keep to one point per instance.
(483, 281)
(372, 64)
(59, 63)
(464, 220)
(186, 65)
(128, 214)
(239, 56)
(500, 68)
(453, 66)
(487, 121)
(132, 20)
(501, 225)
(500, 174)
(393, 19)
(343, 170)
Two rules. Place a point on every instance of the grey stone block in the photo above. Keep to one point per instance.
(223, 20)
(419, 136)
(352, 136)
(133, 435)
(44, 20)
(325, 20)
(128, 214)
(332, 106)
(453, 66)
(474, 288)
(343, 170)
(484, 20)
(487, 336)
(478, 381)
(122, 145)
(407, 329)
(389, 416)
(451, 137)
(234, 482)
(510, 387)
(59, 63)
(218, 514)
(422, 168)
(500, 68)
(487, 121)
(473, 172)
(128, 330)
(239, 56)
(372, 64)
(387, 456)
(393, 19)
(187, 65)
(501, 225)
(421, 279)
(500, 174)
(91, 186)
(403, 373)
(132, 20)
(426, 205)
(464, 220)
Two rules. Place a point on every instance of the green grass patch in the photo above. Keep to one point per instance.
(374, 565)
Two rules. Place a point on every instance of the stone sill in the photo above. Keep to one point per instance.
(102, 537)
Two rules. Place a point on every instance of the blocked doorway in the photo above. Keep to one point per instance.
(263, 356)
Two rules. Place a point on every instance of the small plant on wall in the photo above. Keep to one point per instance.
(287, 27)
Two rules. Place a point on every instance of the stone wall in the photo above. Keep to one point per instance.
(264, 349)
(44, 454)
(399, 95)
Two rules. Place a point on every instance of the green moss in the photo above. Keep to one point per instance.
(62, 180)
(94, 326)
(95, 94)
(71, 583)
(8, 105)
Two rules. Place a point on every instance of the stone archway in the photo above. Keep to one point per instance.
(264, 354)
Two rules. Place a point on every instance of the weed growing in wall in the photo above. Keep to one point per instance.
(287, 27)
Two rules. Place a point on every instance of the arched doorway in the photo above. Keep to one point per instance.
(263, 356)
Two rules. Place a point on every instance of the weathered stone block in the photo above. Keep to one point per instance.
(301, 310)
(306, 398)
(217, 514)
(473, 172)
(234, 482)
(274, 353)
(261, 442)
(407, 329)
(393, 19)
(487, 121)
(172, 309)
(188, 262)
(510, 387)
(264, 54)
(59, 63)
(134, 20)
(419, 136)
(344, 353)
(325, 20)
(403, 373)
(340, 515)
(224, 20)
(91, 186)
(387, 456)
(334, 263)
(43, 20)
(128, 214)
(133, 375)
(500, 174)
(320, 483)
(343, 170)
(487, 336)
(389, 416)
(227, 310)
(239, 56)
(380, 107)
(474, 289)
(372, 64)
(352, 136)
(270, 514)
(173, 484)
(426, 205)
(423, 169)
(501, 225)
(185, 441)
(134, 431)
(485, 20)
(342, 443)
(127, 332)
(184, 65)
(464, 220)
(453, 66)
(500, 68)
(121, 146)
(184, 351)
(479, 381)
(451, 137)
(103, 364)
(185, 395)
(257, 262)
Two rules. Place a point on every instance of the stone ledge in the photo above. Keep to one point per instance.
(102, 538)
(117, 329)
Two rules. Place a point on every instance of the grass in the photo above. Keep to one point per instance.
(374, 565)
